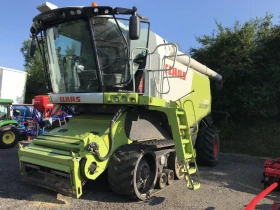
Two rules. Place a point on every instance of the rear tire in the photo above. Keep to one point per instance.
(207, 146)
(9, 136)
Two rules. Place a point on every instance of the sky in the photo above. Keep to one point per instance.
(178, 21)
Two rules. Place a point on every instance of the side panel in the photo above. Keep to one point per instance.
(180, 82)
(13, 85)
(175, 87)
(83, 98)
(198, 103)
(139, 121)
(152, 63)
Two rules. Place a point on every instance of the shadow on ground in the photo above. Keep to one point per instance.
(233, 172)
(99, 190)
(240, 173)
(12, 187)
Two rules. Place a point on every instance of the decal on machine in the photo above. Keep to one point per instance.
(204, 105)
(175, 72)
(70, 99)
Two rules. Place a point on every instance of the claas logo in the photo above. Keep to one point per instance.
(174, 72)
(70, 99)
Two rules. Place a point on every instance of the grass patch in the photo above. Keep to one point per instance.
(260, 139)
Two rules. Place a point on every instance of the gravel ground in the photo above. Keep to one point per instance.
(230, 185)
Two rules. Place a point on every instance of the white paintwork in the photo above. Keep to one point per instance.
(196, 65)
(174, 87)
(12, 84)
(85, 98)
(171, 88)
(46, 6)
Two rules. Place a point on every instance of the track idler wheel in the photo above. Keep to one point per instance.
(170, 176)
(161, 180)
(173, 164)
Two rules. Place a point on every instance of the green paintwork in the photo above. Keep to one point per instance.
(64, 150)
(8, 122)
(122, 98)
(6, 101)
(193, 104)
(110, 98)
(65, 147)
(75, 140)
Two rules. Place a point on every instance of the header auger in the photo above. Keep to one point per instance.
(142, 108)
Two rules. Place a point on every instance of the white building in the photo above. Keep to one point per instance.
(12, 84)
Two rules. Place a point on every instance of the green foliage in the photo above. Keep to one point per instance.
(260, 138)
(247, 55)
(35, 84)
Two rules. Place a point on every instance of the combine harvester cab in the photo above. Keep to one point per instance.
(141, 107)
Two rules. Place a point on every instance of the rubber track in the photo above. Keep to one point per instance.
(205, 146)
(157, 143)
(122, 165)
(121, 169)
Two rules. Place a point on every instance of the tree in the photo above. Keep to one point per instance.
(35, 84)
(247, 56)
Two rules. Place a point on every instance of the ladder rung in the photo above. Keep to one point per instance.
(192, 170)
(196, 185)
(180, 113)
(185, 141)
(188, 155)
(182, 127)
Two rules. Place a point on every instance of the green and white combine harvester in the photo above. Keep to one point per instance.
(142, 108)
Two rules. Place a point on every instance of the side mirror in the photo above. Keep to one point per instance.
(134, 26)
(32, 48)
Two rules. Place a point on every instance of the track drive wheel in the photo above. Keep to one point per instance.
(207, 146)
(9, 136)
(132, 171)
(172, 164)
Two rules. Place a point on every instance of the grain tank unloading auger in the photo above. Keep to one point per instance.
(138, 105)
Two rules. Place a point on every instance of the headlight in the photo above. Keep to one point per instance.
(124, 99)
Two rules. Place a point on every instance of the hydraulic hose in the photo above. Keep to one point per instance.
(111, 138)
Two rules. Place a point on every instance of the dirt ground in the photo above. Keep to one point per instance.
(230, 185)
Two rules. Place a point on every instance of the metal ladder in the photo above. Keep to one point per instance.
(184, 148)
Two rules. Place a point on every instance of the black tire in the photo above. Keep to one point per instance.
(9, 136)
(207, 146)
(123, 171)
(172, 164)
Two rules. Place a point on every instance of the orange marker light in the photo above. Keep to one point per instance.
(94, 4)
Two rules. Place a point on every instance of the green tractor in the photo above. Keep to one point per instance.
(141, 108)
(9, 134)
